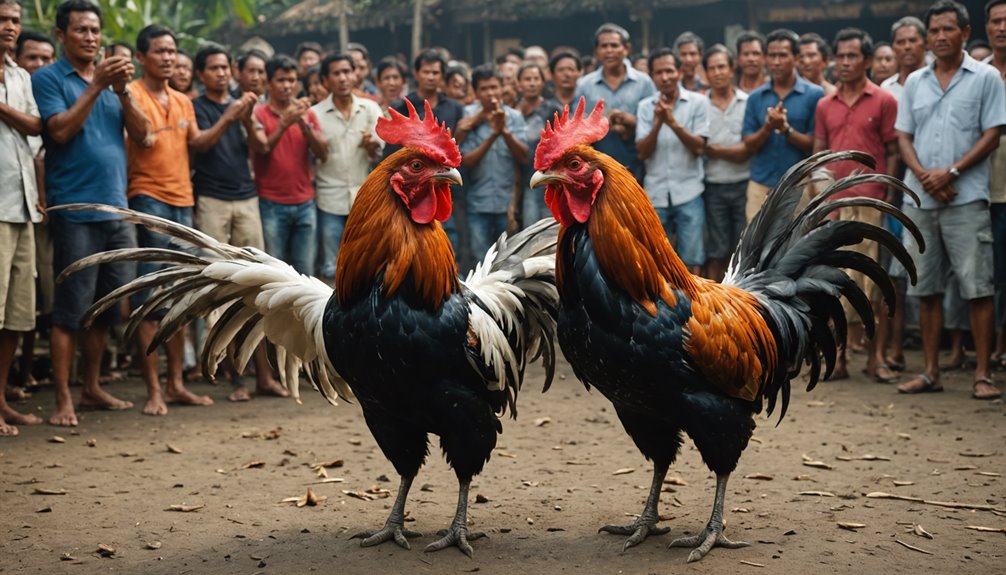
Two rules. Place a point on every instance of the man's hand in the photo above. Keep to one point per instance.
(243, 107)
(936, 179)
(368, 143)
(295, 112)
(664, 111)
(775, 118)
(115, 71)
(497, 118)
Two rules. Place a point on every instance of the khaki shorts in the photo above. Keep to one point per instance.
(235, 222)
(17, 276)
(757, 193)
(959, 240)
(868, 248)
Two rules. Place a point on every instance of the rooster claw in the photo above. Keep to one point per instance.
(455, 537)
(705, 541)
(637, 531)
(390, 532)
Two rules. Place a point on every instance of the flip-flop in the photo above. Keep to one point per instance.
(895, 365)
(889, 379)
(987, 381)
(928, 385)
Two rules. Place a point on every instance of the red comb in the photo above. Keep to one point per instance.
(430, 137)
(564, 133)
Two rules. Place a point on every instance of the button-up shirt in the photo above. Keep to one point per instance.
(625, 97)
(778, 155)
(492, 181)
(340, 177)
(946, 124)
(18, 190)
(673, 173)
(893, 86)
(725, 130)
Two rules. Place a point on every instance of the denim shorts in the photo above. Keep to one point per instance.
(687, 222)
(150, 239)
(958, 239)
(725, 219)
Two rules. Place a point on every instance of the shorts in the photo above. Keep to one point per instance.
(236, 222)
(17, 276)
(686, 222)
(150, 239)
(725, 217)
(958, 239)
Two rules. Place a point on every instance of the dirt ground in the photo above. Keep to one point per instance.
(564, 468)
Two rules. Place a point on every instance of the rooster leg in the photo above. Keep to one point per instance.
(394, 526)
(646, 525)
(458, 535)
(712, 535)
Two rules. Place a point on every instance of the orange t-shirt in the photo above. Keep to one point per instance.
(162, 171)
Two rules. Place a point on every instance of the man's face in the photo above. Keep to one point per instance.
(252, 78)
(361, 65)
(489, 91)
(216, 76)
(909, 47)
(390, 83)
(811, 61)
(457, 87)
(780, 60)
(281, 86)
(530, 83)
(566, 74)
(82, 38)
(719, 71)
(751, 58)
(159, 61)
(340, 79)
(10, 27)
(430, 76)
(690, 58)
(665, 75)
(850, 62)
(308, 59)
(995, 28)
(34, 55)
(182, 78)
(610, 50)
(945, 35)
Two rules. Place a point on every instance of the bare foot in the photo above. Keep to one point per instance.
(16, 417)
(271, 387)
(101, 399)
(155, 406)
(182, 396)
(7, 430)
(15, 393)
(239, 394)
(64, 415)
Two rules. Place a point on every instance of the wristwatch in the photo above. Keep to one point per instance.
(787, 131)
(954, 171)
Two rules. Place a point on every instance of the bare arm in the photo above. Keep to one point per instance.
(473, 158)
(64, 126)
(695, 144)
(518, 149)
(137, 124)
(26, 124)
(804, 142)
(985, 145)
(646, 146)
(315, 141)
(820, 145)
(255, 135)
(738, 152)
(891, 160)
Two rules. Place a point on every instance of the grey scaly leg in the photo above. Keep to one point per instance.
(458, 535)
(712, 535)
(394, 526)
(646, 524)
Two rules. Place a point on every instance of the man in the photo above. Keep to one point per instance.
(727, 165)
(909, 40)
(779, 119)
(85, 161)
(283, 171)
(348, 124)
(671, 134)
(751, 61)
(949, 121)
(995, 30)
(566, 70)
(251, 74)
(860, 116)
(361, 64)
(308, 56)
(34, 50)
(689, 48)
(885, 64)
(19, 208)
(493, 149)
(813, 61)
(226, 203)
(621, 87)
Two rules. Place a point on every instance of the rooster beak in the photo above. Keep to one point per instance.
(451, 175)
(540, 178)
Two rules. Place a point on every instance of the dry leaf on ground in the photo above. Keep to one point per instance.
(186, 508)
(44, 491)
(624, 471)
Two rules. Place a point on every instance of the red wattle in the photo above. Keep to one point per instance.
(444, 202)
(423, 206)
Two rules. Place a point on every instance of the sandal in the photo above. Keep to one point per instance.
(888, 378)
(896, 365)
(922, 383)
(996, 394)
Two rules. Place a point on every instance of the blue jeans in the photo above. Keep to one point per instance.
(485, 229)
(150, 239)
(686, 221)
(291, 233)
(330, 227)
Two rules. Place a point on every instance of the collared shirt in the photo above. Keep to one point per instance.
(340, 177)
(447, 111)
(997, 164)
(725, 130)
(894, 87)
(18, 189)
(625, 97)
(492, 181)
(222, 172)
(778, 155)
(162, 170)
(91, 167)
(867, 125)
(673, 173)
(284, 175)
(945, 125)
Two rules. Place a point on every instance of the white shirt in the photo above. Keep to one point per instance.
(18, 189)
(673, 173)
(894, 87)
(725, 130)
(339, 178)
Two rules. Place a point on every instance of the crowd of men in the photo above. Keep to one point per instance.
(280, 145)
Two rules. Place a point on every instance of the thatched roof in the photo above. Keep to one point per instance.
(313, 16)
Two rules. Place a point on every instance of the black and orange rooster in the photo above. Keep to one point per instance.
(674, 352)
(422, 351)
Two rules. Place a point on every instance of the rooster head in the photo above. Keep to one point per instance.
(567, 166)
(426, 166)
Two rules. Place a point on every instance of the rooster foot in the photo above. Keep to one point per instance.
(390, 531)
(711, 536)
(637, 531)
(456, 536)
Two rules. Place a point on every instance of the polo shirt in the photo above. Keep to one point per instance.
(946, 124)
(348, 165)
(893, 86)
(284, 175)
(162, 170)
(91, 167)
(867, 126)
(673, 173)
(625, 97)
(18, 189)
(221, 172)
(725, 130)
(491, 186)
(778, 155)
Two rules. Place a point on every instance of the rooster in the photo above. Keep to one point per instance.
(677, 353)
(421, 350)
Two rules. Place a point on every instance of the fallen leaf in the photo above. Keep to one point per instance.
(310, 499)
(506, 454)
(322, 473)
(67, 557)
(91, 442)
(624, 471)
(872, 457)
(759, 476)
(328, 464)
(46, 509)
(542, 421)
(989, 473)
(921, 532)
(913, 547)
(185, 508)
(934, 460)
(44, 491)
(56, 439)
(380, 492)
(977, 454)
(740, 510)
(479, 498)
(965, 467)
(851, 526)
(816, 403)
(173, 449)
(818, 464)
(153, 545)
(329, 480)
(106, 550)
(357, 494)
(356, 442)
(674, 481)
(530, 521)
(818, 493)
(751, 563)
(903, 483)
(986, 529)
(252, 464)
(904, 436)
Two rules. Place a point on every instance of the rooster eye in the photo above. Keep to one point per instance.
(574, 164)
(416, 165)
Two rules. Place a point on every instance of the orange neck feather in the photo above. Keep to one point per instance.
(381, 237)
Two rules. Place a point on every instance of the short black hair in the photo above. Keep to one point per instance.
(718, 49)
(661, 53)
(485, 72)
(32, 36)
(125, 45)
(332, 59)
(689, 38)
(429, 56)
(456, 71)
(909, 22)
(279, 63)
(944, 6)
(530, 66)
(784, 35)
(611, 28)
(308, 47)
(357, 47)
(253, 53)
(204, 53)
(865, 41)
(750, 36)
(816, 39)
(184, 52)
(390, 62)
(559, 56)
(151, 32)
(880, 45)
(992, 4)
(66, 8)
(978, 43)
(511, 51)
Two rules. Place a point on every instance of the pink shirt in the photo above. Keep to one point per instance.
(868, 125)
(284, 175)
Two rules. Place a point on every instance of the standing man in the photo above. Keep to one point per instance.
(778, 120)
(566, 69)
(995, 29)
(362, 68)
(671, 136)
(908, 36)
(308, 55)
(34, 50)
(949, 121)
(622, 88)
(348, 124)
(860, 116)
(751, 61)
(493, 149)
(689, 47)
(85, 107)
(251, 74)
(812, 61)
(727, 162)
(283, 170)
(19, 208)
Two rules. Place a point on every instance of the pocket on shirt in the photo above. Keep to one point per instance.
(966, 114)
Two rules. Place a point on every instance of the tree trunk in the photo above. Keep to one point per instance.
(343, 26)
(417, 27)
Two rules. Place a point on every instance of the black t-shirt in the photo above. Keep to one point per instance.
(221, 172)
